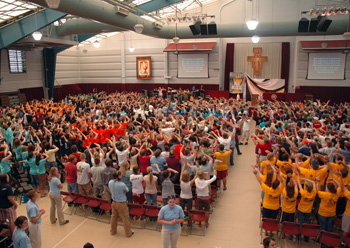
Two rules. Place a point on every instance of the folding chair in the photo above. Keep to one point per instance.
(310, 230)
(268, 225)
(198, 216)
(68, 198)
(290, 228)
(105, 206)
(92, 203)
(329, 238)
(79, 202)
(151, 213)
(137, 211)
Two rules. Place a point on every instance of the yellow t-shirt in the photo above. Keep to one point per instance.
(283, 166)
(289, 204)
(224, 157)
(347, 209)
(312, 174)
(271, 197)
(266, 165)
(307, 200)
(328, 203)
(263, 178)
(346, 182)
(305, 164)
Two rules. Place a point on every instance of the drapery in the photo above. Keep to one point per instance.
(259, 86)
(270, 69)
(230, 50)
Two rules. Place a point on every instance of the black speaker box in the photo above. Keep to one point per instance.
(323, 23)
(204, 29)
(212, 29)
(313, 25)
(303, 26)
(196, 28)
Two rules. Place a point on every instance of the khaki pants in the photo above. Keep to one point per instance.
(120, 209)
(56, 202)
(42, 181)
(35, 234)
(107, 193)
(85, 189)
(170, 237)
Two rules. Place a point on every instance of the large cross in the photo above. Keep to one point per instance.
(257, 60)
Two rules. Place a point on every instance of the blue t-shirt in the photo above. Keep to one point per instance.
(17, 150)
(41, 167)
(54, 189)
(117, 190)
(5, 166)
(160, 161)
(33, 167)
(21, 239)
(168, 214)
(33, 211)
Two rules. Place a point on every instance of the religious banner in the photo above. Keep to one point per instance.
(268, 60)
(260, 86)
(143, 66)
(236, 82)
(257, 60)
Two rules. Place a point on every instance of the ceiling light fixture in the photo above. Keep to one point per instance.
(37, 35)
(252, 24)
(96, 44)
(255, 39)
(138, 28)
(53, 4)
(132, 49)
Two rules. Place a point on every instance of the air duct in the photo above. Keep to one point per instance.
(104, 13)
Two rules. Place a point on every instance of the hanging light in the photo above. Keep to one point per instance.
(255, 39)
(131, 49)
(252, 24)
(37, 35)
(96, 44)
(176, 40)
(138, 28)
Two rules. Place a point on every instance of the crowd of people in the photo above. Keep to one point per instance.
(127, 148)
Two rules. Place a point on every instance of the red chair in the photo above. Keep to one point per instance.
(346, 240)
(290, 228)
(198, 216)
(152, 213)
(79, 202)
(329, 238)
(268, 225)
(92, 203)
(105, 206)
(310, 230)
(137, 211)
(338, 221)
(68, 198)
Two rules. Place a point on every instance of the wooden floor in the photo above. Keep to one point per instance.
(234, 222)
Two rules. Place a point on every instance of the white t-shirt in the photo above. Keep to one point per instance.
(186, 190)
(225, 142)
(83, 170)
(122, 155)
(246, 125)
(136, 181)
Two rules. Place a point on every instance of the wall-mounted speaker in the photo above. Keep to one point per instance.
(196, 28)
(323, 23)
(303, 26)
(212, 30)
(204, 29)
(313, 25)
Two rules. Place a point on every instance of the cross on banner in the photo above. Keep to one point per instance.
(257, 60)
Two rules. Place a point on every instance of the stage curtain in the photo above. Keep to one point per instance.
(33, 93)
(270, 69)
(229, 62)
(285, 63)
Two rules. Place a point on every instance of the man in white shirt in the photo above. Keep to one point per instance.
(83, 176)
(246, 130)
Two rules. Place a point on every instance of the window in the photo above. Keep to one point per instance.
(17, 61)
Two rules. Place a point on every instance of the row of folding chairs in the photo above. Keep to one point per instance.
(142, 216)
(307, 230)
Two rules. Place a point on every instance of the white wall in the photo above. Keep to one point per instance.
(32, 78)
(67, 67)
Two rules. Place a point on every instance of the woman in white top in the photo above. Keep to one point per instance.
(186, 197)
(202, 188)
(136, 180)
(150, 182)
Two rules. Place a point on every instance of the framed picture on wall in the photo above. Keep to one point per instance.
(144, 69)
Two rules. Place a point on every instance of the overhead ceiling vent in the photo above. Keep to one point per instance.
(121, 11)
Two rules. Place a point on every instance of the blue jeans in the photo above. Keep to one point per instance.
(304, 218)
(52, 164)
(231, 156)
(34, 180)
(72, 188)
(326, 225)
(151, 199)
(129, 196)
(237, 146)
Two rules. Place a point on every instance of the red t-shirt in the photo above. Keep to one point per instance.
(178, 150)
(71, 172)
(144, 162)
(263, 148)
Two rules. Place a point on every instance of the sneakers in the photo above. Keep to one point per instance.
(241, 143)
(239, 153)
(54, 221)
(246, 143)
(65, 222)
(132, 233)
